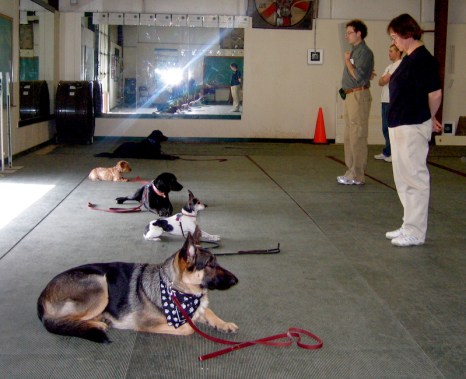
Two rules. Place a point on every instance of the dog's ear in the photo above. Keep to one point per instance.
(188, 251)
(191, 197)
(160, 184)
(197, 235)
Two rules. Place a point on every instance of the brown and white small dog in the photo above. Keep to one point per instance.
(111, 173)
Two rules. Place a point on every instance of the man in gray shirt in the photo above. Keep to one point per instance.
(358, 71)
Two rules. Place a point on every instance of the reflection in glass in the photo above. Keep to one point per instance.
(36, 64)
(169, 70)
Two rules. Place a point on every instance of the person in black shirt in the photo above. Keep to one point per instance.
(415, 97)
(235, 83)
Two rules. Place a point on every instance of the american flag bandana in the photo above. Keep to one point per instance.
(188, 301)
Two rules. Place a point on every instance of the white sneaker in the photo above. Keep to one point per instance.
(388, 159)
(394, 234)
(344, 180)
(380, 156)
(405, 241)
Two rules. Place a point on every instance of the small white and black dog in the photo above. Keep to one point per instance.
(180, 224)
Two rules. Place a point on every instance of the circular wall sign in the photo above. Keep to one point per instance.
(283, 13)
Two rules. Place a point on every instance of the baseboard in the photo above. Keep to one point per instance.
(224, 140)
(34, 148)
(450, 140)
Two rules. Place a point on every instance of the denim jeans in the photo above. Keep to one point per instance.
(387, 151)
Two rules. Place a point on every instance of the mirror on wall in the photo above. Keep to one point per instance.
(163, 71)
(36, 61)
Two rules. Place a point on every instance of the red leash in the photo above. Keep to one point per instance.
(138, 179)
(291, 335)
(115, 210)
(125, 210)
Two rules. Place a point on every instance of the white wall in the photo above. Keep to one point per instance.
(161, 6)
(28, 136)
(282, 93)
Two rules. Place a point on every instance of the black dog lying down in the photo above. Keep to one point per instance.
(154, 195)
(149, 148)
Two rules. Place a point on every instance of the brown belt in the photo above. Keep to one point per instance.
(347, 91)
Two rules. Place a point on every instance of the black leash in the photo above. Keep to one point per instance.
(203, 160)
(250, 252)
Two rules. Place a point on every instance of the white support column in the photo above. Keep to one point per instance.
(70, 46)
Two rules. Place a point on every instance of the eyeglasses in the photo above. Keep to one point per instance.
(394, 37)
(349, 33)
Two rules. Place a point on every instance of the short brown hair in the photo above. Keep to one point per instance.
(394, 46)
(358, 26)
(406, 27)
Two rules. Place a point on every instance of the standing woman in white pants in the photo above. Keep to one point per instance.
(415, 97)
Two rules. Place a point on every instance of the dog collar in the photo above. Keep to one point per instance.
(157, 191)
(188, 301)
(185, 213)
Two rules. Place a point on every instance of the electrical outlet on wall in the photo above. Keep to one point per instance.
(315, 56)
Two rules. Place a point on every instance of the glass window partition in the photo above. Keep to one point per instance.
(167, 71)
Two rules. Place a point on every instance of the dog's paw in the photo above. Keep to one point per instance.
(228, 327)
(156, 239)
(213, 238)
(210, 237)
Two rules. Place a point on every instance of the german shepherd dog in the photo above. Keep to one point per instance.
(154, 195)
(86, 300)
(179, 224)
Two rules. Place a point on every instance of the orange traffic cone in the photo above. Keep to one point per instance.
(319, 134)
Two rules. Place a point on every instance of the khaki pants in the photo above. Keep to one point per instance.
(236, 95)
(357, 108)
(410, 146)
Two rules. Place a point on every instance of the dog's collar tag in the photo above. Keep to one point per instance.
(189, 302)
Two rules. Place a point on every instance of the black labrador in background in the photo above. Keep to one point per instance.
(154, 196)
(148, 148)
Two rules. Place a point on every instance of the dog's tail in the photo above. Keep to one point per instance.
(76, 328)
(167, 157)
(73, 326)
(105, 155)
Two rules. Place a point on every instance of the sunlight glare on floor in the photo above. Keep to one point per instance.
(15, 198)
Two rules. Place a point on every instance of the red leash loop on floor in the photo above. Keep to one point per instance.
(115, 210)
(292, 335)
(139, 179)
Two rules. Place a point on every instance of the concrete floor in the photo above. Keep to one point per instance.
(382, 311)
